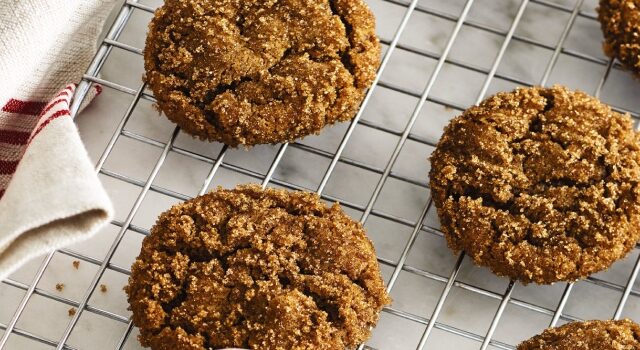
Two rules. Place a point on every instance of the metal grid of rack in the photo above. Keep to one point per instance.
(418, 226)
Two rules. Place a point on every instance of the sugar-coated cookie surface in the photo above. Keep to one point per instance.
(257, 269)
(539, 184)
(620, 22)
(253, 72)
(588, 335)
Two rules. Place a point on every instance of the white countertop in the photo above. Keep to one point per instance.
(464, 309)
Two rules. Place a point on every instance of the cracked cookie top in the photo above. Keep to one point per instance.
(539, 184)
(620, 23)
(587, 335)
(258, 269)
(253, 72)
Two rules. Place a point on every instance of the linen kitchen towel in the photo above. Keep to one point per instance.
(50, 195)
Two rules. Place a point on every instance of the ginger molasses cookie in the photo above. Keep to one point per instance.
(539, 184)
(258, 269)
(620, 22)
(254, 72)
(587, 335)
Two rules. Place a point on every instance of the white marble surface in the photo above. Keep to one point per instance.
(464, 309)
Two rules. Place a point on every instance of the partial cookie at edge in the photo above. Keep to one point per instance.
(620, 23)
(588, 335)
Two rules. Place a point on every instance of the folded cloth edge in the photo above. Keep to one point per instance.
(55, 197)
(49, 237)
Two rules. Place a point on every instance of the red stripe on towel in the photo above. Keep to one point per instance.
(23, 107)
(14, 137)
(55, 115)
(8, 167)
(53, 104)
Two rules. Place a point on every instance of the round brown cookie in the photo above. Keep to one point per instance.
(254, 72)
(587, 335)
(620, 22)
(539, 184)
(259, 269)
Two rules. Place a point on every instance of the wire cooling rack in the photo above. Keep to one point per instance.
(439, 58)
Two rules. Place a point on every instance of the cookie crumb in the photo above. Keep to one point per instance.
(76, 264)
(59, 287)
(72, 311)
(103, 288)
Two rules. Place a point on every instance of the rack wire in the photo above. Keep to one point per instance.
(434, 327)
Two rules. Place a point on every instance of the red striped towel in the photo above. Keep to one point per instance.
(17, 120)
(20, 121)
(50, 195)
